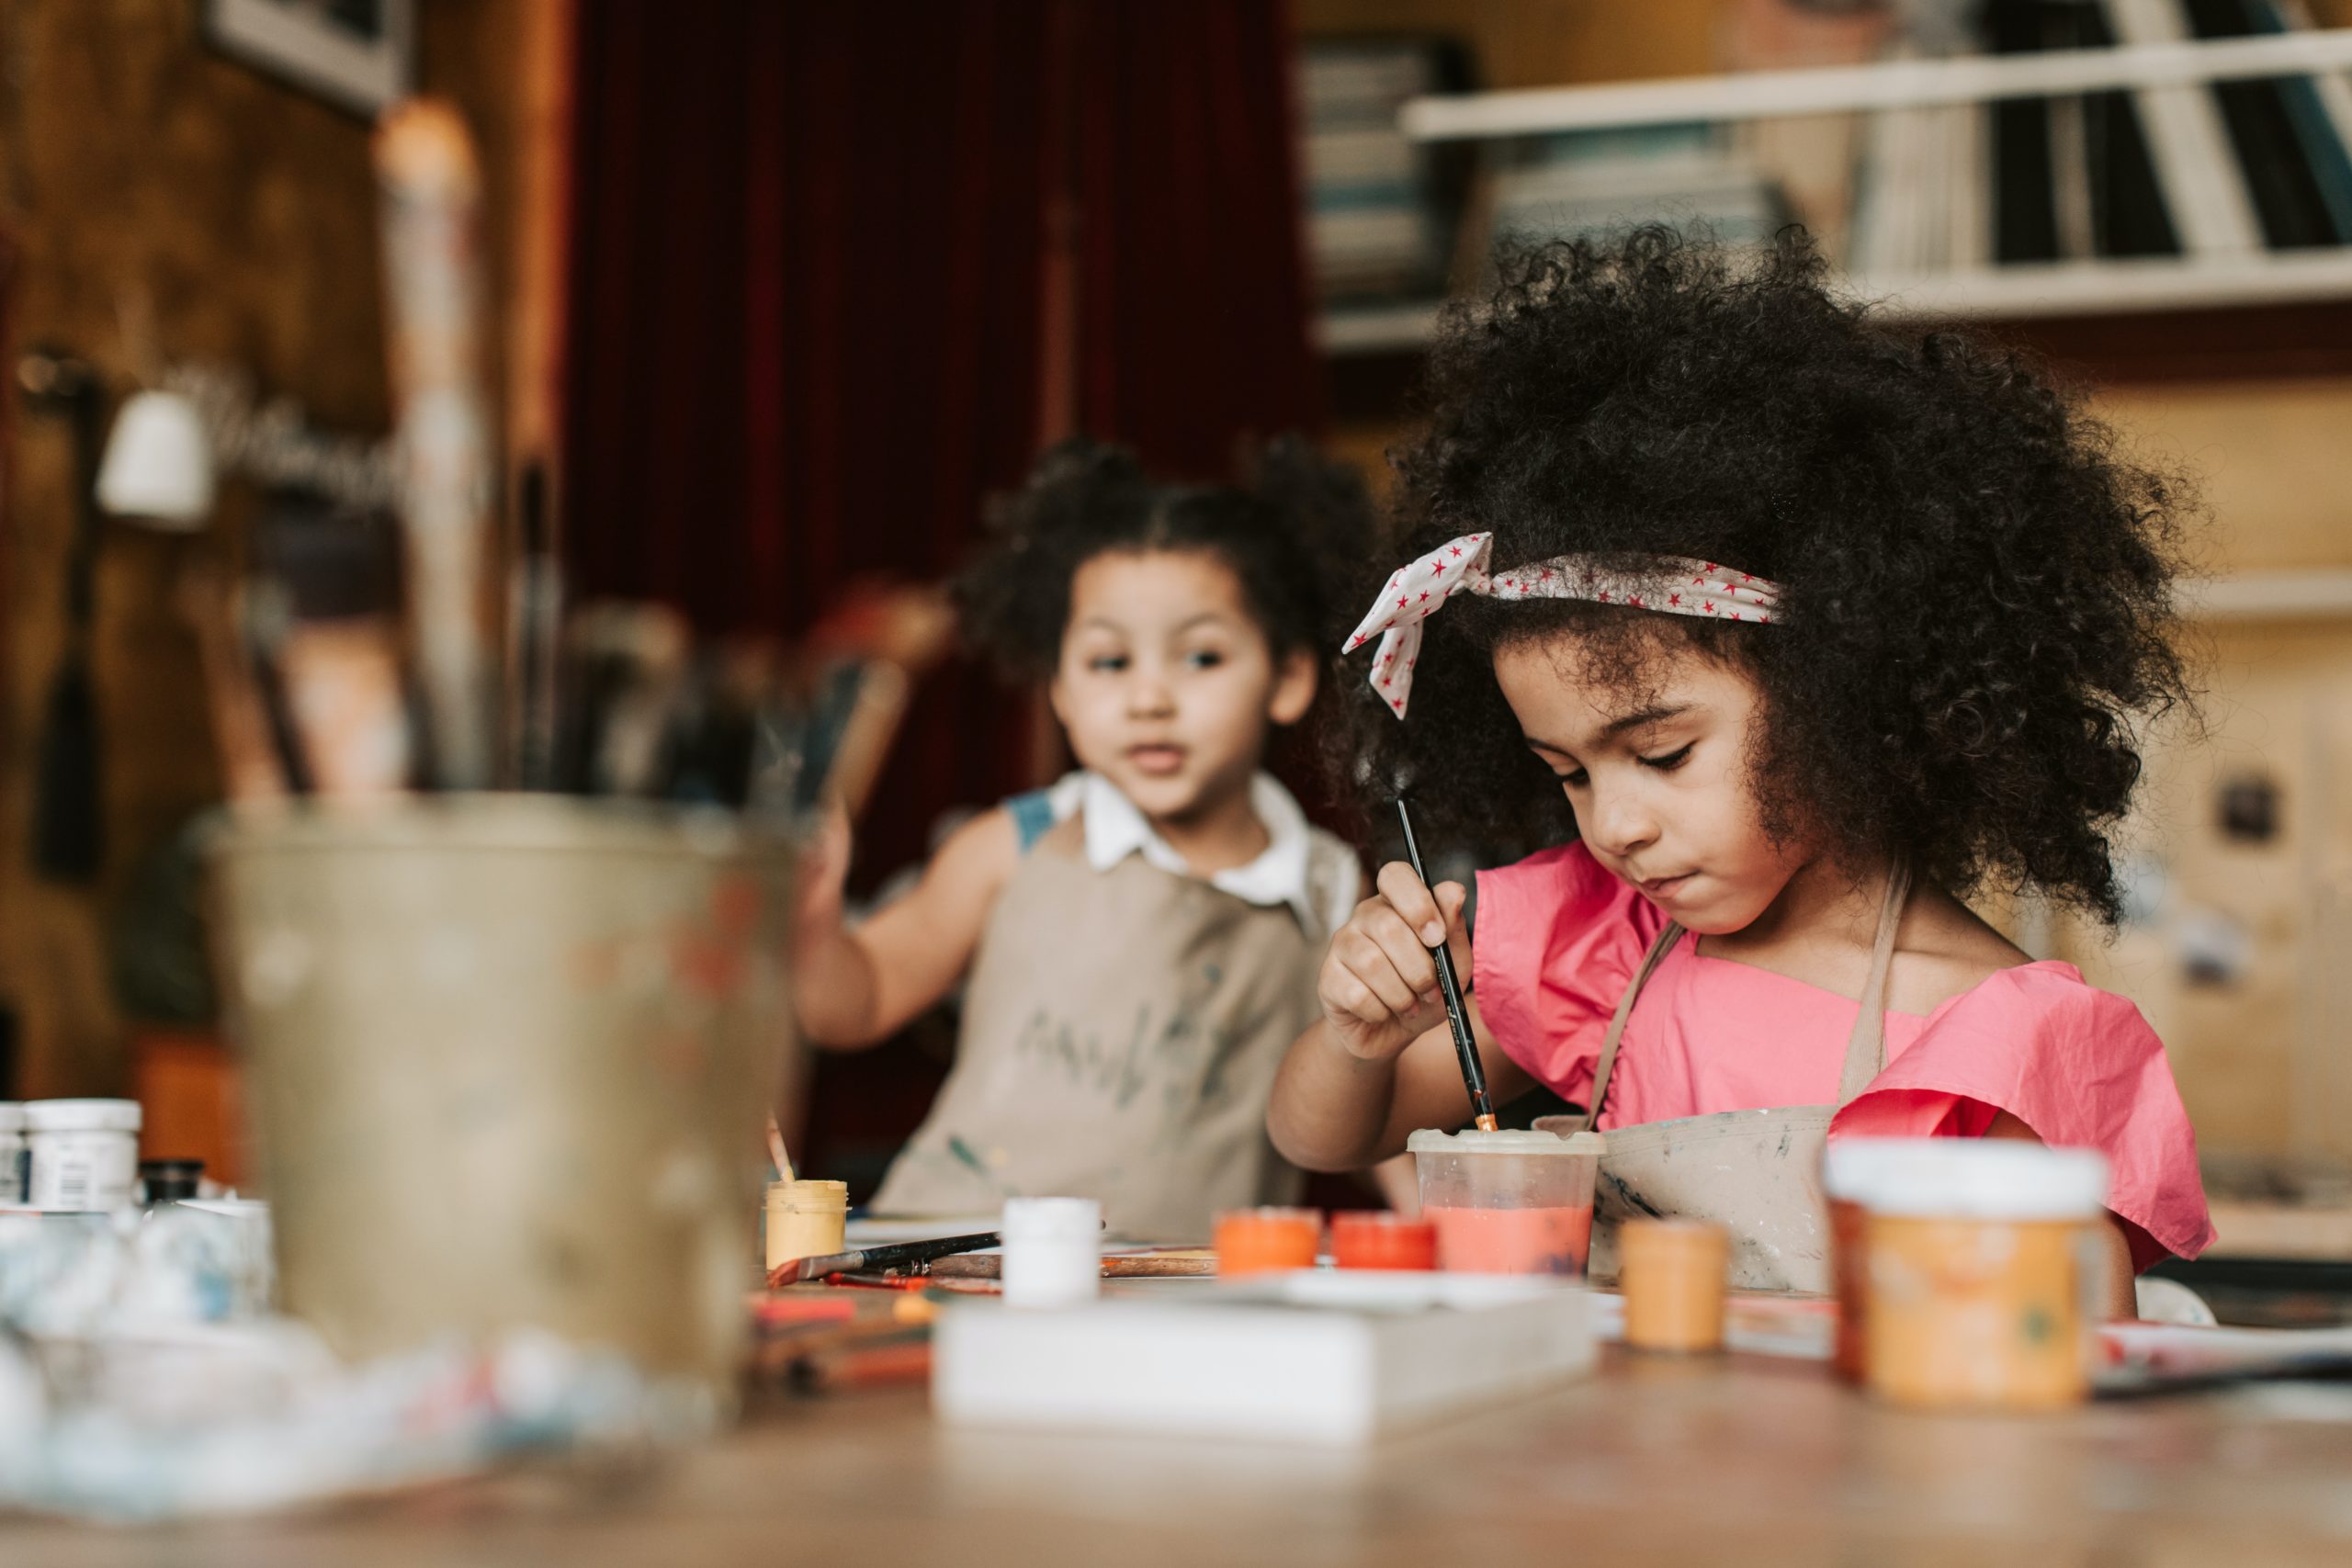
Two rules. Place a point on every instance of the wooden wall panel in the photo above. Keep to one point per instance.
(135, 157)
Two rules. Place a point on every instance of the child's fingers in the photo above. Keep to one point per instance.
(1450, 898)
(1346, 994)
(1368, 959)
(1410, 898)
(1401, 948)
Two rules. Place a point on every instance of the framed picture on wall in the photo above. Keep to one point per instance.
(357, 54)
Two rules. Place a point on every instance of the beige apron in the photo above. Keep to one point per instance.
(1120, 1036)
(1755, 1172)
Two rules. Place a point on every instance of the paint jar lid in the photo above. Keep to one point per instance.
(1849, 1166)
(1973, 1178)
(12, 1116)
(1506, 1141)
(82, 1115)
(1051, 1218)
(822, 1196)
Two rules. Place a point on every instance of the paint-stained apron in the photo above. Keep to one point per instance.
(1120, 1037)
(1758, 1173)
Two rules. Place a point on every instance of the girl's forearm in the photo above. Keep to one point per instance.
(1331, 1109)
(835, 990)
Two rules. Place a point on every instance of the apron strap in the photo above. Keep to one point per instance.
(1608, 1062)
(1866, 1047)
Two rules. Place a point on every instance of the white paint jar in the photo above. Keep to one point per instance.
(85, 1153)
(1053, 1251)
(12, 1152)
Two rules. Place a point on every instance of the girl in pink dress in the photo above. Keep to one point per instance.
(1761, 610)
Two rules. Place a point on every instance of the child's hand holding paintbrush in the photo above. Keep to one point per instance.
(1401, 1046)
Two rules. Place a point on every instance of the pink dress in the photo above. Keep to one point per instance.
(1557, 938)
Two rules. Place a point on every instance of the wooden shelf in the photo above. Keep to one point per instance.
(1884, 84)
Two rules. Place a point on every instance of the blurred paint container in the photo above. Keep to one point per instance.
(1266, 1241)
(510, 1058)
(1983, 1269)
(1847, 1166)
(806, 1219)
(14, 1157)
(84, 1153)
(1053, 1251)
(170, 1180)
(1375, 1239)
(1674, 1273)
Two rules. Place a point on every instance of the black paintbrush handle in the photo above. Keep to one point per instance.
(1465, 1045)
(887, 1260)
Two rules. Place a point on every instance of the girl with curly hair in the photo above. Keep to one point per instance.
(1139, 942)
(1788, 629)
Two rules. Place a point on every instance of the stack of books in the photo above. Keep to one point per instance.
(1379, 218)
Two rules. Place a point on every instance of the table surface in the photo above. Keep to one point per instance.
(1720, 1459)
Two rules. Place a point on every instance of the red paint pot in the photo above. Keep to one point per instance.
(1374, 1239)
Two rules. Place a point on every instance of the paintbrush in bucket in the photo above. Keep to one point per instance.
(1473, 1071)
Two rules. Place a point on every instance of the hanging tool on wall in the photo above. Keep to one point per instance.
(68, 841)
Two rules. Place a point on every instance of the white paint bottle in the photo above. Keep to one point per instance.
(1053, 1251)
(85, 1153)
(12, 1152)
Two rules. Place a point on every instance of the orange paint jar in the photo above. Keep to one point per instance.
(1847, 1167)
(1674, 1274)
(1984, 1274)
(1372, 1239)
(1264, 1241)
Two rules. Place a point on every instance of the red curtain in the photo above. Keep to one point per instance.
(837, 271)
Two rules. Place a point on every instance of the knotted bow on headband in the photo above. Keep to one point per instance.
(1674, 585)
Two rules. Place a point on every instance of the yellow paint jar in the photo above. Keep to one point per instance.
(805, 1219)
(1983, 1274)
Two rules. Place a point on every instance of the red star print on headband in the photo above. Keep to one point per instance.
(1662, 585)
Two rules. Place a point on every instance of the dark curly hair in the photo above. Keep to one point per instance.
(1977, 612)
(1280, 535)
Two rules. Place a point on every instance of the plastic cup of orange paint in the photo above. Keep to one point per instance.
(1508, 1202)
(1266, 1241)
(1375, 1239)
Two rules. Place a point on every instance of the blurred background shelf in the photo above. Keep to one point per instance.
(2038, 162)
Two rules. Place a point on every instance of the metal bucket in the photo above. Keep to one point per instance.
(508, 1060)
(1756, 1173)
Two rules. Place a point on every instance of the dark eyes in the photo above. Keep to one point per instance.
(1113, 663)
(1664, 763)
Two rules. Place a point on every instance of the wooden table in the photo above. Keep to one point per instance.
(1738, 1461)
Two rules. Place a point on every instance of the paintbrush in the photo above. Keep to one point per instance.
(1465, 1047)
(896, 1258)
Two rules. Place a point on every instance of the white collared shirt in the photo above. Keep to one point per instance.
(1285, 871)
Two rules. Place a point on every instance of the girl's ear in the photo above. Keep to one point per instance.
(1295, 679)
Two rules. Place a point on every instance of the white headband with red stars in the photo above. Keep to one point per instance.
(1671, 584)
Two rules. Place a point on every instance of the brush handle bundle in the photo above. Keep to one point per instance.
(432, 197)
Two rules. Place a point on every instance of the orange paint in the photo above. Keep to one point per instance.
(1376, 1240)
(1512, 1241)
(1264, 1241)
